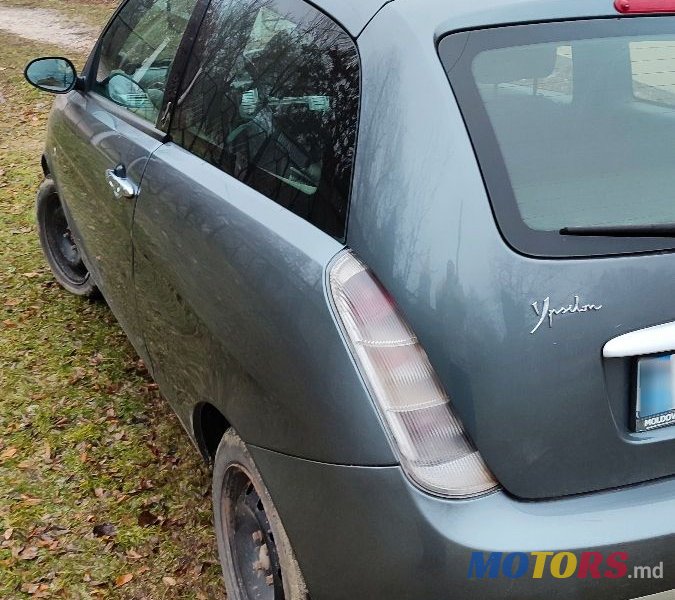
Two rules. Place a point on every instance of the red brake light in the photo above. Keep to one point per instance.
(645, 6)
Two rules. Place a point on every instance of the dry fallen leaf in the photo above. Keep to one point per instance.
(9, 453)
(21, 231)
(104, 530)
(28, 501)
(170, 581)
(147, 519)
(123, 579)
(30, 588)
(8, 533)
(78, 375)
(96, 360)
(28, 553)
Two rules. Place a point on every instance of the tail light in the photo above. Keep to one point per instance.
(430, 440)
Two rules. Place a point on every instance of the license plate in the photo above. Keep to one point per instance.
(655, 406)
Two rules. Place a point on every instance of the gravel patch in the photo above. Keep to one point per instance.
(48, 26)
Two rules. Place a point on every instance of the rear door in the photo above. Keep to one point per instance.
(237, 220)
(104, 138)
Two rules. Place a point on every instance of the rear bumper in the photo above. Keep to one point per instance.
(367, 533)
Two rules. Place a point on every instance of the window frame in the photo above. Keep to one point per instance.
(160, 128)
(195, 33)
(456, 51)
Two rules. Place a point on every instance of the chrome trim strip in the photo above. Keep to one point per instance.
(651, 340)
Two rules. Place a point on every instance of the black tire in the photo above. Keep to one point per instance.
(60, 250)
(255, 553)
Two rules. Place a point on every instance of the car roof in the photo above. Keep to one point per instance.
(460, 14)
(449, 15)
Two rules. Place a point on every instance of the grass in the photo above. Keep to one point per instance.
(101, 493)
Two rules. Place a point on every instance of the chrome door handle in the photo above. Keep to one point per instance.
(121, 187)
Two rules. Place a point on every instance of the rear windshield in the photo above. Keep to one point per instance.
(574, 127)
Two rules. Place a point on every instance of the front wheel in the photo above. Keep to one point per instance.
(255, 553)
(58, 246)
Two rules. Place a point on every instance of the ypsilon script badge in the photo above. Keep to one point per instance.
(545, 313)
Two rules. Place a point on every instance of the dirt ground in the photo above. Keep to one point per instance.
(46, 25)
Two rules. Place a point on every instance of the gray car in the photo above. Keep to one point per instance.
(405, 272)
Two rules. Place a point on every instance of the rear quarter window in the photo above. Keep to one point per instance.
(271, 97)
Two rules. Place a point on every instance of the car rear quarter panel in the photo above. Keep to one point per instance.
(231, 287)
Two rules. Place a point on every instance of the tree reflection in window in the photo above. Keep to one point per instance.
(271, 97)
(137, 53)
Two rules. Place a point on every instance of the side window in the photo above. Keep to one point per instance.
(137, 52)
(653, 68)
(271, 97)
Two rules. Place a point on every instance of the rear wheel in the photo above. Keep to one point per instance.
(255, 553)
(58, 246)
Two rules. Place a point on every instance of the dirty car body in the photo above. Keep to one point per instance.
(490, 164)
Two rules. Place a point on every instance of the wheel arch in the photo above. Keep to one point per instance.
(209, 425)
(46, 171)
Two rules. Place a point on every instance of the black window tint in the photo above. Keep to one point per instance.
(271, 97)
(137, 53)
